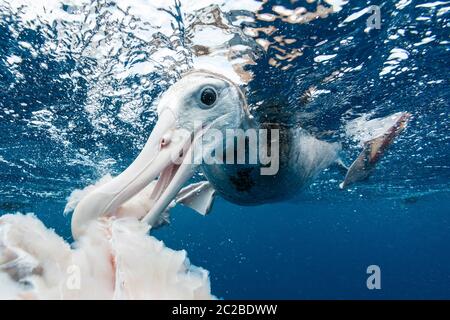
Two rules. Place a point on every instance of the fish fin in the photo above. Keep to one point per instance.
(197, 196)
(372, 152)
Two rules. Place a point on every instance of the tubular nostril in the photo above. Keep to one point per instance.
(165, 140)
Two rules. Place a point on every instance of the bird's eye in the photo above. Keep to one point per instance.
(208, 96)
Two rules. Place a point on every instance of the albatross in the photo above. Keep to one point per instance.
(191, 113)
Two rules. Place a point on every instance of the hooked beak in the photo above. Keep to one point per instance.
(167, 154)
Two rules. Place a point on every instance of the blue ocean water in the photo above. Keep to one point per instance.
(67, 118)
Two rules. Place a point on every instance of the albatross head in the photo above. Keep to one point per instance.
(198, 102)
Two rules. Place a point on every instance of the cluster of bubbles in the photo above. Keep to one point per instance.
(80, 81)
(345, 74)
